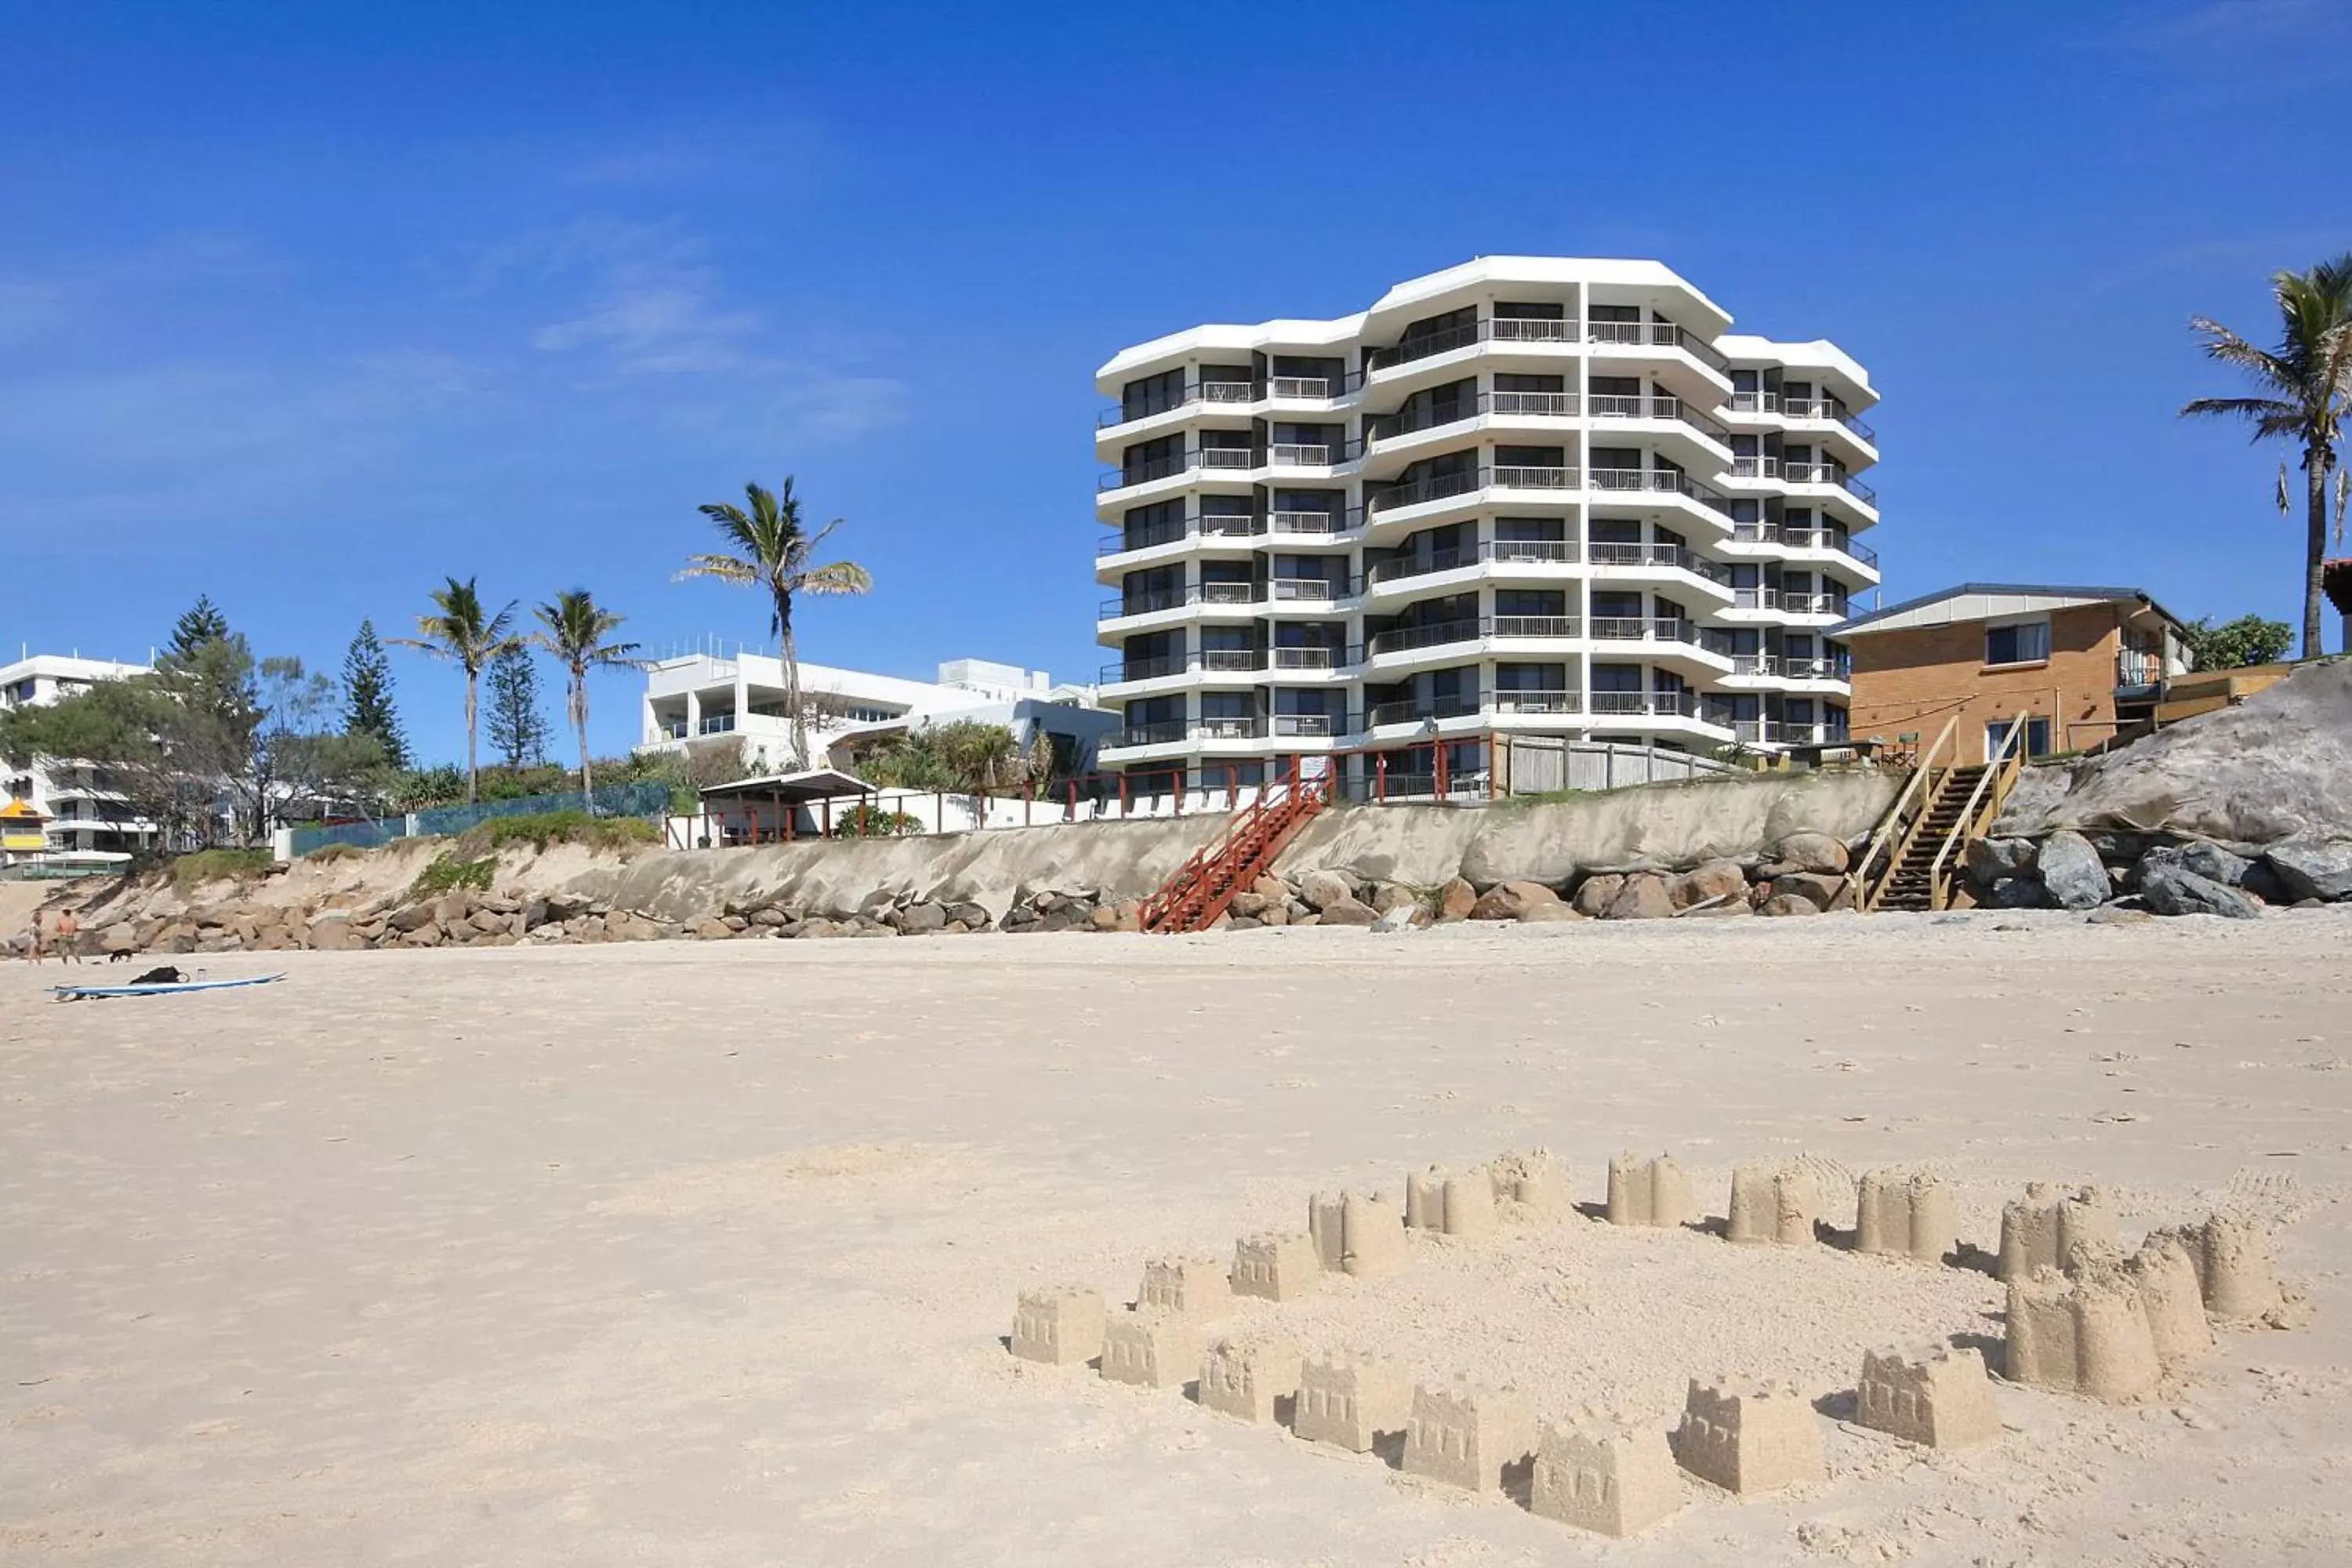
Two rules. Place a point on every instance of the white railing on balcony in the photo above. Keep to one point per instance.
(1746, 468)
(1537, 404)
(1230, 593)
(1298, 454)
(1535, 626)
(1307, 658)
(1526, 702)
(1307, 523)
(1308, 726)
(1642, 628)
(1656, 335)
(1645, 704)
(1313, 387)
(1227, 457)
(1228, 525)
(1532, 329)
(1515, 478)
(1313, 589)
(1227, 392)
(2139, 666)
(1756, 402)
(1532, 552)
(1437, 486)
(1817, 667)
(1232, 661)
(1755, 664)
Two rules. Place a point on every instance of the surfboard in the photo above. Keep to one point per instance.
(76, 992)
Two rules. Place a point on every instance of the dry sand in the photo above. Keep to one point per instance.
(700, 1254)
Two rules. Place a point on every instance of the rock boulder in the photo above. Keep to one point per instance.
(2072, 872)
(2172, 890)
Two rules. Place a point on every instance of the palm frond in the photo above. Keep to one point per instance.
(726, 568)
(833, 578)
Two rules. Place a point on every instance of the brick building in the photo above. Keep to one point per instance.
(2079, 662)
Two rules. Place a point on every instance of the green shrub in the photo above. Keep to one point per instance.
(868, 820)
(219, 865)
(449, 872)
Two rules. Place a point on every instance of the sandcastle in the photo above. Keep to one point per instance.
(1254, 1379)
(1347, 1400)
(1605, 1476)
(1906, 1215)
(1454, 1205)
(1061, 1325)
(1652, 1192)
(1152, 1348)
(2084, 1317)
(1198, 1288)
(1776, 1204)
(1358, 1233)
(1466, 1437)
(2085, 1335)
(1748, 1439)
(2038, 1229)
(1941, 1400)
(1278, 1268)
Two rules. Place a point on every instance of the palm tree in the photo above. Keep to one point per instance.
(576, 631)
(775, 552)
(2306, 382)
(466, 637)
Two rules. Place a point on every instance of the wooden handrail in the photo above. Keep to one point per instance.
(1997, 766)
(1884, 838)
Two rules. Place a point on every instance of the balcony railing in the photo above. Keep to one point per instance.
(1145, 602)
(1425, 346)
(1310, 590)
(1756, 664)
(1228, 525)
(1666, 555)
(1536, 404)
(1227, 457)
(1801, 408)
(1645, 704)
(1232, 661)
(1794, 732)
(1160, 734)
(1535, 626)
(1756, 402)
(1228, 729)
(2137, 668)
(1306, 387)
(1402, 638)
(1435, 486)
(1828, 474)
(1524, 701)
(1144, 473)
(1309, 726)
(1532, 330)
(1519, 477)
(1133, 670)
(1656, 335)
(1803, 539)
(1308, 658)
(717, 724)
(1299, 455)
(1427, 416)
(1308, 523)
(1818, 668)
(1416, 709)
(1531, 551)
(1436, 561)
(1635, 408)
(1670, 482)
(1643, 629)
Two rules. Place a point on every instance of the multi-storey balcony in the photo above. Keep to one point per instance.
(1309, 524)
(1772, 539)
(1422, 710)
(1788, 732)
(1830, 475)
(1310, 591)
(1676, 411)
(1296, 662)
(1502, 558)
(1689, 497)
(1652, 560)
(1177, 465)
(1393, 438)
(1747, 666)
(1195, 393)
(1174, 602)
(1788, 602)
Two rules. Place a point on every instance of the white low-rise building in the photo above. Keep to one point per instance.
(89, 823)
(1522, 495)
(702, 699)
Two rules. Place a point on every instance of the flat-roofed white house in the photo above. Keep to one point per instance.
(89, 826)
(700, 699)
(1525, 495)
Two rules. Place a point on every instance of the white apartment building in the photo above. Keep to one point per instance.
(705, 699)
(1527, 495)
(89, 823)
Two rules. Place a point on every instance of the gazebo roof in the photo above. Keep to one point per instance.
(814, 784)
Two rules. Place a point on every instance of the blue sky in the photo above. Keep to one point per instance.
(307, 305)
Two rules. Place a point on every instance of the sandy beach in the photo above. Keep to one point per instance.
(703, 1253)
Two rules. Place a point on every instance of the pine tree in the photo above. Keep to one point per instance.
(368, 707)
(203, 624)
(519, 730)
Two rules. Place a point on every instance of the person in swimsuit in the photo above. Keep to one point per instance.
(69, 938)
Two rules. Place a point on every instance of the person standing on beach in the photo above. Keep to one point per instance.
(69, 938)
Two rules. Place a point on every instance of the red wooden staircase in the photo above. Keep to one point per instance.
(1198, 893)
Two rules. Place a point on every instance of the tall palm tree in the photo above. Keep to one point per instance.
(462, 634)
(2306, 391)
(775, 552)
(576, 633)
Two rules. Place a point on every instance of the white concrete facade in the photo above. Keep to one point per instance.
(703, 698)
(89, 823)
(1527, 495)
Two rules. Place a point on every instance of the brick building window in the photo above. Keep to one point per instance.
(2025, 642)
